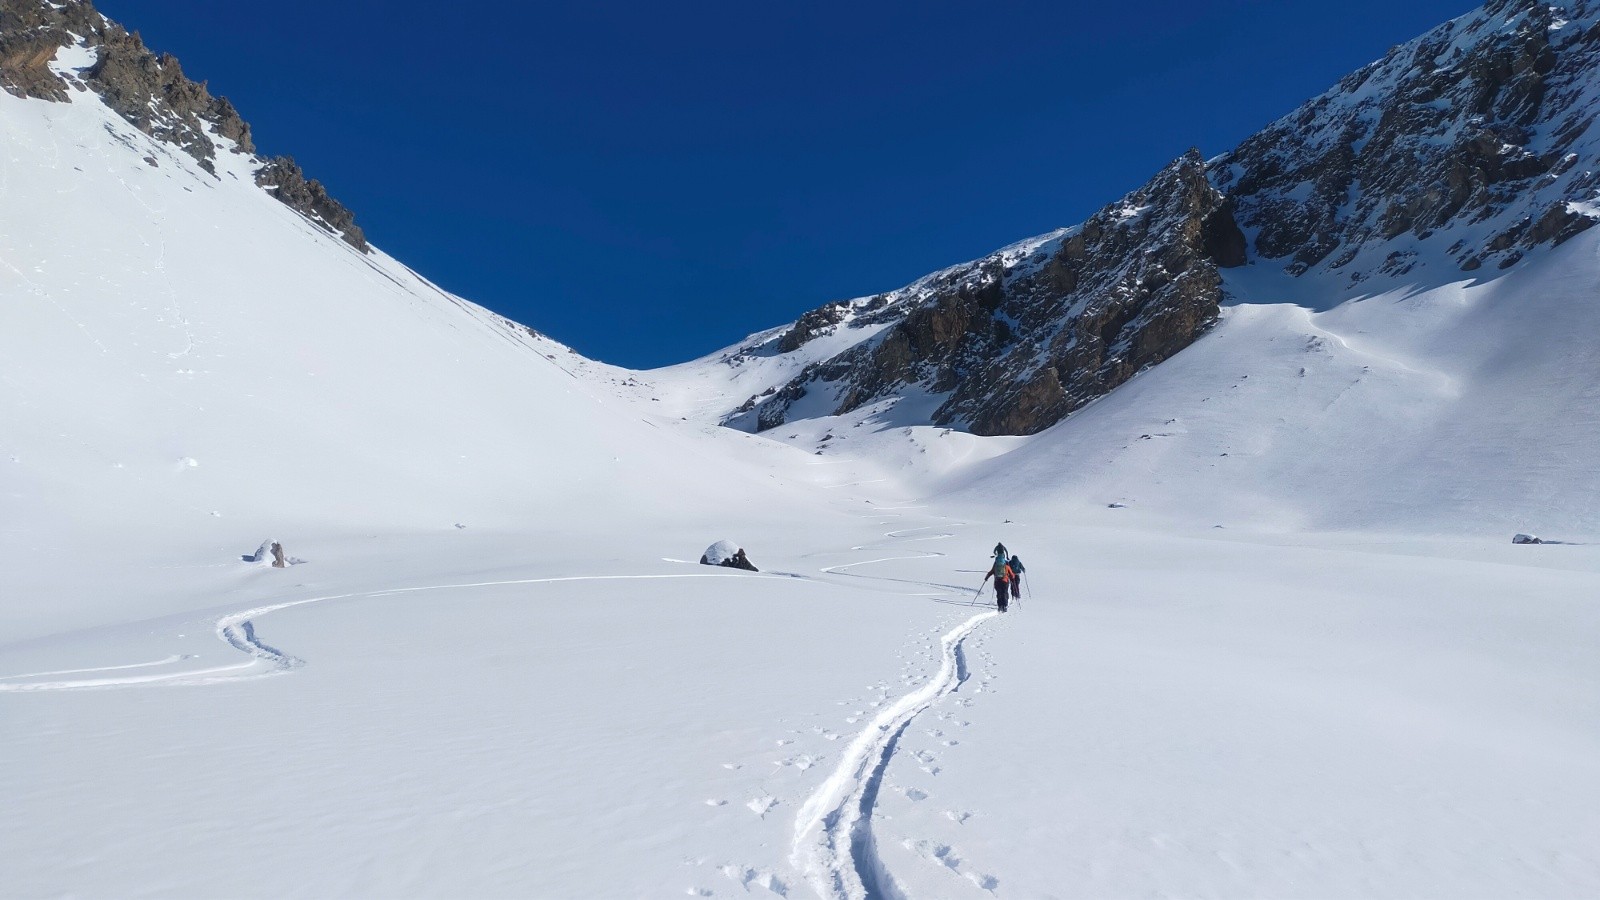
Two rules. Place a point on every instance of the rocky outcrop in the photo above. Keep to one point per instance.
(151, 92)
(285, 179)
(1019, 339)
(812, 325)
(1472, 142)
(30, 34)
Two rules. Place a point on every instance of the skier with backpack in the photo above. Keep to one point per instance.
(1001, 572)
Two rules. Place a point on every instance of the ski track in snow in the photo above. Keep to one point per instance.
(900, 537)
(834, 846)
(144, 665)
(238, 631)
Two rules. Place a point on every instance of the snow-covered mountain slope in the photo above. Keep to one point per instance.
(1470, 407)
(1010, 343)
(1455, 404)
(1465, 150)
(186, 363)
(1364, 316)
(150, 92)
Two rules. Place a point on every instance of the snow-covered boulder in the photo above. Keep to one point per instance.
(271, 553)
(1525, 539)
(262, 556)
(727, 553)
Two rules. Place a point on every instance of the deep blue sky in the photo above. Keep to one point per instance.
(648, 182)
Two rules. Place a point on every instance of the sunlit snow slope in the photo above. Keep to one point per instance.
(1438, 401)
(188, 367)
(1469, 407)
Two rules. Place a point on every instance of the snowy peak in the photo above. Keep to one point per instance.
(1470, 146)
(1474, 143)
(148, 90)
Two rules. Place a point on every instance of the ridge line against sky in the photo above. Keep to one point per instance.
(650, 184)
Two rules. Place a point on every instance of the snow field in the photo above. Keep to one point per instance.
(575, 737)
(1217, 718)
(187, 366)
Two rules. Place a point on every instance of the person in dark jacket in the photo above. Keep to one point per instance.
(1016, 577)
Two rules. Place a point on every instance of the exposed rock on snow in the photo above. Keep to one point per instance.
(1019, 339)
(1476, 138)
(271, 553)
(151, 92)
(1525, 539)
(284, 178)
(729, 554)
(30, 34)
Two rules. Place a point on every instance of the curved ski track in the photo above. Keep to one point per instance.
(833, 842)
(238, 631)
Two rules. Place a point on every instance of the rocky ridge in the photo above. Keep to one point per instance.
(151, 92)
(1471, 145)
(1474, 142)
(1022, 337)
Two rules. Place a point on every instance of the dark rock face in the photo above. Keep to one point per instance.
(31, 32)
(1474, 138)
(129, 77)
(1474, 144)
(30, 35)
(1021, 338)
(151, 92)
(811, 326)
(284, 178)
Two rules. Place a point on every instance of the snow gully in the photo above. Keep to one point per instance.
(833, 842)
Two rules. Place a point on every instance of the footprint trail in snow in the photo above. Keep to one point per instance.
(833, 842)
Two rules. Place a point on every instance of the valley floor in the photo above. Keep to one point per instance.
(1187, 714)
